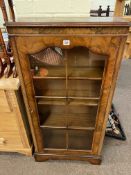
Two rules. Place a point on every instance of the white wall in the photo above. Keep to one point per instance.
(95, 4)
(24, 8)
(52, 8)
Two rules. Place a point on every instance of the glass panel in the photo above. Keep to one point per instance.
(50, 87)
(71, 117)
(54, 138)
(48, 63)
(67, 87)
(84, 88)
(81, 140)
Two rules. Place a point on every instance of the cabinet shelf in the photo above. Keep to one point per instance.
(56, 139)
(81, 94)
(69, 101)
(82, 73)
(52, 73)
(85, 73)
(73, 88)
(69, 121)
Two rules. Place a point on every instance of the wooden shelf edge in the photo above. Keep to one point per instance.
(39, 78)
(69, 97)
(53, 150)
(69, 78)
(71, 104)
(67, 128)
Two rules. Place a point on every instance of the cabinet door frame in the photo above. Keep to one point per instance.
(99, 44)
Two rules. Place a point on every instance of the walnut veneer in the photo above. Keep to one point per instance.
(68, 104)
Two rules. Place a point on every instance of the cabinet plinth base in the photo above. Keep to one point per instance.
(93, 159)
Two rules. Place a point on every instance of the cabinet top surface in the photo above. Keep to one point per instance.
(68, 22)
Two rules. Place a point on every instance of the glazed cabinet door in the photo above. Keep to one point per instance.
(67, 84)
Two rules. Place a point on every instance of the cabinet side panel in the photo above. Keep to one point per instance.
(22, 66)
(110, 77)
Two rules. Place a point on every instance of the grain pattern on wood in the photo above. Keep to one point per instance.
(4, 102)
(127, 50)
(119, 12)
(119, 8)
(8, 122)
(108, 89)
(30, 111)
(13, 132)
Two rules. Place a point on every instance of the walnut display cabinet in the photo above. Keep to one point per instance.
(68, 69)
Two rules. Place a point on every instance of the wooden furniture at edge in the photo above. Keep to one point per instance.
(119, 12)
(14, 131)
(68, 104)
(127, 50)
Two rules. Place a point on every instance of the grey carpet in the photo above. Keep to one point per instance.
(116, 154)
